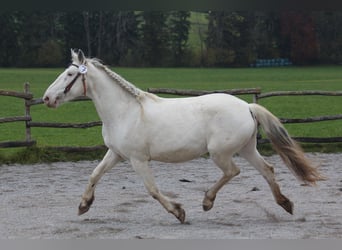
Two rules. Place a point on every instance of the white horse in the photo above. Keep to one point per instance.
(140, 127)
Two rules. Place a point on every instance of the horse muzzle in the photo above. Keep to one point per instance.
(51, 102)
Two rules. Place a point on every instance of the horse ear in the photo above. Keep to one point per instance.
(81, 57)
(74, 56)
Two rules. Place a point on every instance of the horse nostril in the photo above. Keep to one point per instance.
(46, 99)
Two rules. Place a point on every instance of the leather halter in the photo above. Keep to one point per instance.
(69, 86)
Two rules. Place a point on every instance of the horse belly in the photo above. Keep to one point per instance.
(178, 147)
(181, 154)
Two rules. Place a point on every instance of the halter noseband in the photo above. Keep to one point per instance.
(82, 70)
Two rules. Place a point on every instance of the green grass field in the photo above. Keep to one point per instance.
(268, 79)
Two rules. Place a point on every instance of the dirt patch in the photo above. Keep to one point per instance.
(41, 200)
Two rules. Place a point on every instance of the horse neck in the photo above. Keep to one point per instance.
(111, 100)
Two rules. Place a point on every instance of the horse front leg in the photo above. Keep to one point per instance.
(108, 162)
(145, 172)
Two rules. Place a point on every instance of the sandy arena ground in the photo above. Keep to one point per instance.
(41, 201)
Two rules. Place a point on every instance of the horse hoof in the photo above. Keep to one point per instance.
(288, 206)
(83, 208)
(208, 203)
(181, 215)
(207, 207)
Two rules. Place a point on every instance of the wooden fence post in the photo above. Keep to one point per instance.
(255, 98)
(27, 112)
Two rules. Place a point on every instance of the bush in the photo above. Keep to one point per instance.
(220, 57)
(50, 54)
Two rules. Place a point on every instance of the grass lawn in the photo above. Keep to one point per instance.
(268, 79)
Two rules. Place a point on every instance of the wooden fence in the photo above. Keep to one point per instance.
(255, 92)
(27, 96)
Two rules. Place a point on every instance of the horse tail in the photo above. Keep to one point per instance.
(288, 149)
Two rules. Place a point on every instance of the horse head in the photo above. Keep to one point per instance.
(71, 83)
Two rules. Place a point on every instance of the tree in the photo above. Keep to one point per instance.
(120, 37)
(37, 30)
(109, 35)
(264, 34)
(224, 33)
(329, 34)
(74, 34)
(160, 38)
(299, 40)
(154, 38)
(178, 27)
(9, 43)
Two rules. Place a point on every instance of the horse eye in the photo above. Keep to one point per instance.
(69, 74)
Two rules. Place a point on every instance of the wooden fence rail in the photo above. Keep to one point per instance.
(193, 92)
(311, 119)
(255, 92)
(300, 93)
(64, 125)
(24, 95)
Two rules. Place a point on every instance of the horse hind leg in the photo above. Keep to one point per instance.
(251, 154)
(229, 170)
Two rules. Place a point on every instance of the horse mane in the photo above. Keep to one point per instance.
(126, 85)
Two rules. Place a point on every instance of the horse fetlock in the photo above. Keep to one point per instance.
(85, 205)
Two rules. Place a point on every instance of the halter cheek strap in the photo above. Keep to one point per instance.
(82, 71)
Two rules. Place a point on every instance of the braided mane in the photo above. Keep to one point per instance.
(126, 85)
